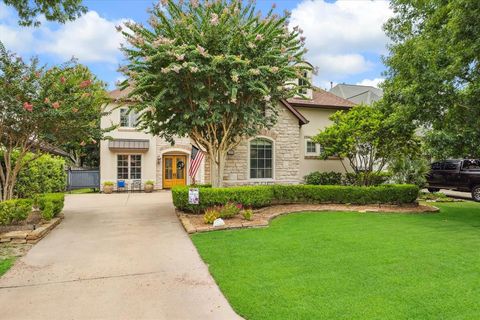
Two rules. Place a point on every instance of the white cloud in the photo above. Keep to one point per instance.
(371, 82)
(339, 34)
(90, 38)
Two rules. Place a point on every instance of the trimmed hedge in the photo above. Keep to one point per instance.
(249, 196)
(51, 204)
(261, 196)
(17, 210)
(14, 211)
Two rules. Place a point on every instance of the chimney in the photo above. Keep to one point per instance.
(331, 84)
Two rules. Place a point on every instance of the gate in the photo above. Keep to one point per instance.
(79, 179)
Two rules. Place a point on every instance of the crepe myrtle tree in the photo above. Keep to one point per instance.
(367, 138)
(53, 10)
(213, 71)
(41, 108)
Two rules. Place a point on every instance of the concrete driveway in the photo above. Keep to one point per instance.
(119, 256)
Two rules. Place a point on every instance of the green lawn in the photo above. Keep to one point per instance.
(5, 264)
(352, 266)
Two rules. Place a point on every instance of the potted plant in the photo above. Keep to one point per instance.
(149, 186)
(108, 187)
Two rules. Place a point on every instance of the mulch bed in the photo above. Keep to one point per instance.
(194, 222)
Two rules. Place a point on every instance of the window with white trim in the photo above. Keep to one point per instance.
(128, 118)
(311, 148)
(261, 159)
(129, 166)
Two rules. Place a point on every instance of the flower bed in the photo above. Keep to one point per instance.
(261, 218)
(263, 196)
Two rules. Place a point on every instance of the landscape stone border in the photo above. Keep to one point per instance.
(194, 223)
(30, 236)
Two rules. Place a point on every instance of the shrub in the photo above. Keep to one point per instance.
(51, 204)
(247, 214)
(409, 170)
(324, 178)
(261, 196)
(393, 194)
(211, 215)
(205, 185)
(250, 196)
(149, 182)
(43, 175)
(14, 211)
(358, 179)
(230, 210)
(108, 183)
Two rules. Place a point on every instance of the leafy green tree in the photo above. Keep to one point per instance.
(53, 10)
(367, 138)
(41, 108)
(433, 76)
(213, 71)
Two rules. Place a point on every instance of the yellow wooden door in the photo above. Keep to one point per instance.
(174, 171)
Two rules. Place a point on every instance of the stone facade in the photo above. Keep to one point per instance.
(286, 157)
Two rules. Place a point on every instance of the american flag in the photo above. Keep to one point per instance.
(195, 161)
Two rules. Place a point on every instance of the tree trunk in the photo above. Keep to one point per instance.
(217, 166)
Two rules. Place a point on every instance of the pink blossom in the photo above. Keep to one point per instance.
(214, 19)
(259, 37)
(180, 57)
(194, 3)
(94, 141)
(82, 143)
(56, 105)
(74, 110)
(28, 106)
(176, 69)
(85, 83)
(47, 100)
(62, 79)
(202, 50)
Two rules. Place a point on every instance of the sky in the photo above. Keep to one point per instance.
(345, 40)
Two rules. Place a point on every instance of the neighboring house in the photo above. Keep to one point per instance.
(283, 154)
(357, 94)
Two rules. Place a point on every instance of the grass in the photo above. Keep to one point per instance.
(82, 191)
(352, 266)
(5, 264)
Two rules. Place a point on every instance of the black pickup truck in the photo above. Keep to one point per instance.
(460, 175)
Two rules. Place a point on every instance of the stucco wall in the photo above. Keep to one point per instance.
(285, 136)
(108, 158)
(318, 120)
(151, 159)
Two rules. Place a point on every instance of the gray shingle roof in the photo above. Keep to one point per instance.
(357, 93)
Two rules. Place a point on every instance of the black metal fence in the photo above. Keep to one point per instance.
(79, 179)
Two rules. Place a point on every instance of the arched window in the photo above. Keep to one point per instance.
(261, 159)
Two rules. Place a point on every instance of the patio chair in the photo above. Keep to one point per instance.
(137, 185)
(121, 185)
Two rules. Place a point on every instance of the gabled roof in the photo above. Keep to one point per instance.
(119, 94)
(322, 99)
(357, 93)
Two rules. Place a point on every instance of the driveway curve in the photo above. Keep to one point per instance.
(118, 256)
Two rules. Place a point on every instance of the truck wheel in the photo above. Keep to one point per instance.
(432, 190)
(476, 193)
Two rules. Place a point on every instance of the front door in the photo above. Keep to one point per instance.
(174, 171)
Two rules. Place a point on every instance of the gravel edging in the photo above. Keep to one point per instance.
(193, 223)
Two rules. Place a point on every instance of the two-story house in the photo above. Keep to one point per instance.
(283, 154)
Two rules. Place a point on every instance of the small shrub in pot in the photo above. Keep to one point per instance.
(149, 186)
(108, 187)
